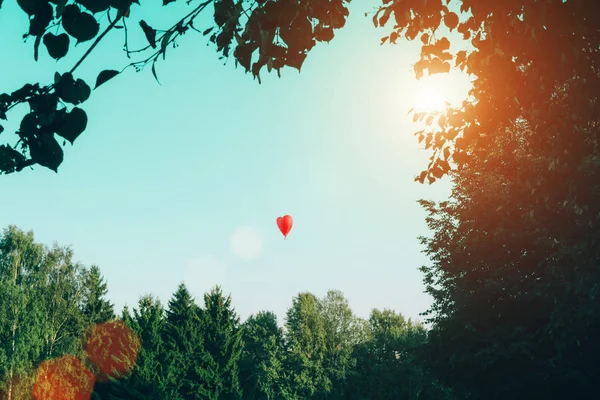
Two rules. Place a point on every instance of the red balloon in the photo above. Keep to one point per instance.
(285, 224)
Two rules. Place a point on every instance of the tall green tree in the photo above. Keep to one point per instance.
(515, 291)
(388, 364)
(21, 331)
(183, 341)
(263, 359)
(306, 338)
(342, 332)
(64, 322)
(147, 379)
(96, 307)
(222, 350)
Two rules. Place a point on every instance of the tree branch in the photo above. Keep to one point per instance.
(98, 39)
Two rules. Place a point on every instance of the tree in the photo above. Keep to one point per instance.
(96, 307)
(305, 334)
(63, 320)
(146, 381)
(20, 330)
(514, 291)
(222, 338)
(342, 332)
(262, 371)
(388, 364)
(182, 338)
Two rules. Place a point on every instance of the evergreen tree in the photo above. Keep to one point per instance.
(182, 338)
(146, 380)
(96, 307)
(222, 336)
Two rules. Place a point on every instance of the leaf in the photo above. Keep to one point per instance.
(104, 76)
(41, 19)
(46, 151)
(461, 57)
(74, 125)
(451, 20)
(94, 6)
(29, 125)
(71, 91)
(385, 17)
(81, 25)
(9, 159)
(165, 42)
(165, 2)
(149, 32)
(30, 6)
(154, 72)
(438, 172)
(207, 31)
(120, 5)
(57, 46)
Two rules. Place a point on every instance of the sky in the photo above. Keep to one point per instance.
(184, 181)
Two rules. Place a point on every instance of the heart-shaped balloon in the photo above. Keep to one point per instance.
(285, 224)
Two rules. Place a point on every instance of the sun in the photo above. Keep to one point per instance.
(429, 98)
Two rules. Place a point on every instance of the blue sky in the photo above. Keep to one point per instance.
(164, 176)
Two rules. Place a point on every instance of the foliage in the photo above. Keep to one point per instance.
(262, 371)
(261, 33)
(223, 345)
(305, 331)
(182, 338)
(516, 290)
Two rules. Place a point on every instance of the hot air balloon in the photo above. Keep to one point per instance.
(285, 225)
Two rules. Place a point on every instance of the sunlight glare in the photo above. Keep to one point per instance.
(429, 97)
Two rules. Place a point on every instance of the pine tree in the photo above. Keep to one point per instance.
(96, 307)
(222, 336)
(146, 380)
(183, 347)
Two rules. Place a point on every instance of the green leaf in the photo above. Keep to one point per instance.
(29, 125)
(95, 6)
(9, 159)
(75, 124)
(81, 25)
(149, 32)
(31, 6)
(41, 19)
(71, 91)
(57, 46)
(46, 151)
(121, 5)
(165, 42)
(154, 72)
(104, 76)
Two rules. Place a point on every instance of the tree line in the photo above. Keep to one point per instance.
(56, 321)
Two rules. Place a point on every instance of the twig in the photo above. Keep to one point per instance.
(98, 39)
